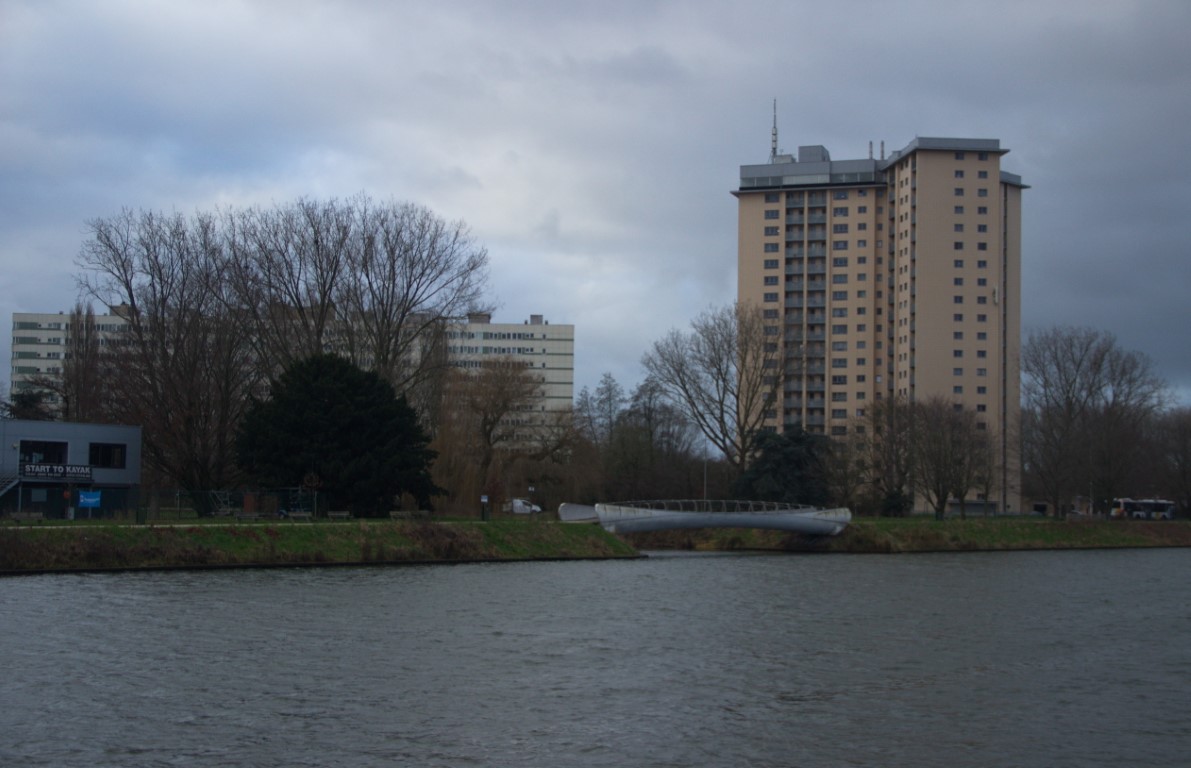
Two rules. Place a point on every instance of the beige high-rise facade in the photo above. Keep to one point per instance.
(888, 277)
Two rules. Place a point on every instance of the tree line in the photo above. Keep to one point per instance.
(220, 307)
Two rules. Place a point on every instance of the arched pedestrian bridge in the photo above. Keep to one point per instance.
(660, 515)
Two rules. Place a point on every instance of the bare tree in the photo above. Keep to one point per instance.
(374, 282)
(889, 427)
(1082, 396)
(81, 386)
(950, 452)
(724, 376)
(181, 371)
(490, 421)
(1174, 456)
(846, 470)
(409, 271)
(284, 269)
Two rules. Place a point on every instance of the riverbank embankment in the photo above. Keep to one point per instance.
(925, 534)
(96, 547)
(89, 547)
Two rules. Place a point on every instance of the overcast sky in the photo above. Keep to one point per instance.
(592, 147)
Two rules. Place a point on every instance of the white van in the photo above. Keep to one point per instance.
(521, 507)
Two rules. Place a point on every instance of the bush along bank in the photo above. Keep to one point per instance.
(925, 534)
(116, 547)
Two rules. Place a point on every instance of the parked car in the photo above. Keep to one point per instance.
(521, 507)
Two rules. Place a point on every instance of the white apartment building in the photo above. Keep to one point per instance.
(41, 343)
(546, 350)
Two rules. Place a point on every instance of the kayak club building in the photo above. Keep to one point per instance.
(57, 469)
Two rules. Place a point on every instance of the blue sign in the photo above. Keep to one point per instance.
(89, 499)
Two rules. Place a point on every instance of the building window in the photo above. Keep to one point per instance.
(981, 299)
(957, 281)
(981, 371)
(771, 279)
(982, 390)
(981, 353)
(839, 211)
(959, 174)
(981, 336)
(837, 380)
(981, 318)
(982, 192)
(957, 371)
(959, 209)
(958, 228)
(839, 245)
(839, 329)
(958, 335)
(839, 397)
(773, 213)
(958, 264)
(108, 455)
(771, 263)
(957, 299)
(982, 281)
(840, 194)
(982, 210)
(982, 155)
(959, 155)
(839, 295)
(840, 278)
(772, 232)
(957, 353)
(839, 229)
(959, 191)
(839, 362)
(771, 247)
(771, 314)
(839, 413)
(839, 312)
(982, 174)
(770, 297)
(862, 361)
(982, 246)
(958, 317)
(861, 243)
(981, 264)
(958, 245)
(839, 346)
(839, 261)
(981, 408)
(773, 197)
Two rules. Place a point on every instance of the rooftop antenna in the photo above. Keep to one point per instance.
(773, 141)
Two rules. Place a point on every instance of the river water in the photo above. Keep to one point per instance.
(1005, 659)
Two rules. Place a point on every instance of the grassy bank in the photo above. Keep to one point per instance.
(101, 547)
(924, 534)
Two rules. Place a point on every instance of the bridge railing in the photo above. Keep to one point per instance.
(718, 506)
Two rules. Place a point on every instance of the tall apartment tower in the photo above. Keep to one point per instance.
(890, 277)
